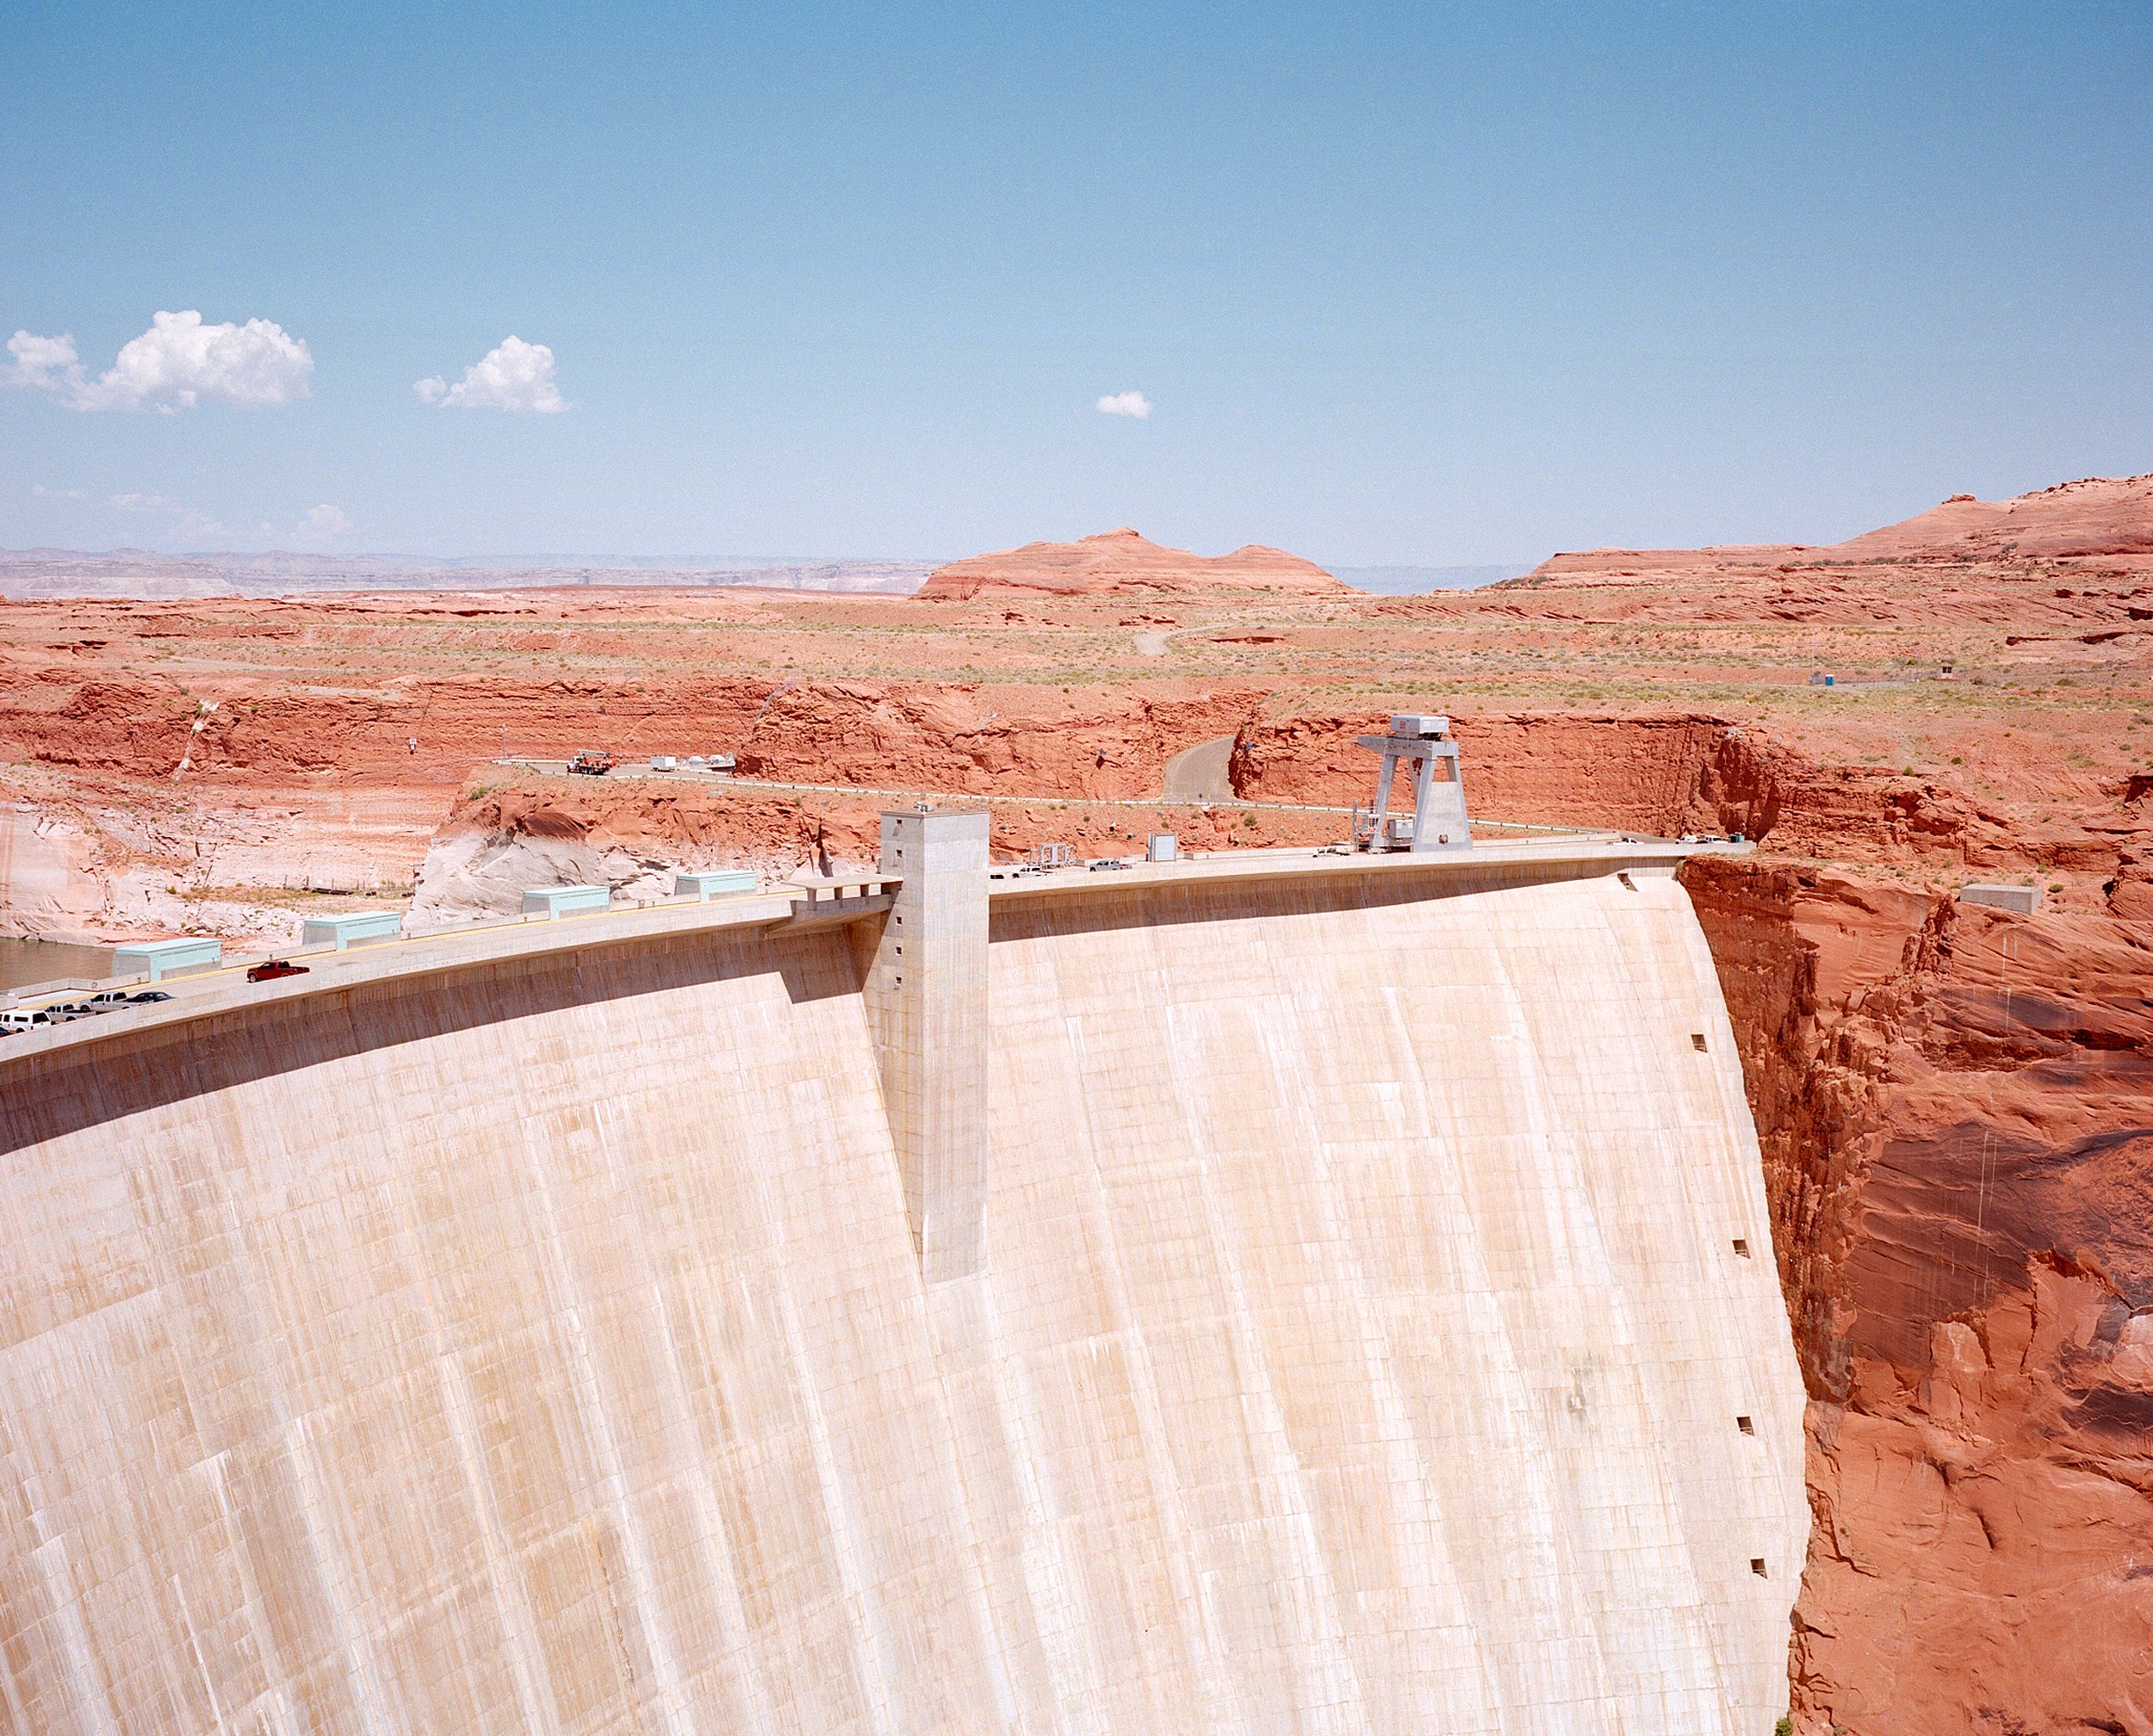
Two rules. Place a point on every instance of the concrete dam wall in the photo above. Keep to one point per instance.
(1326, 1312)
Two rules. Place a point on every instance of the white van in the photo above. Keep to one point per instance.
(23, 1018)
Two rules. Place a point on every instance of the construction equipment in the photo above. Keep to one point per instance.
(593, 762)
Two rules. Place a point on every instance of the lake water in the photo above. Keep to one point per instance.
(23, 961)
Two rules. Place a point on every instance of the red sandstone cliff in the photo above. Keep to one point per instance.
(888, 736)
(1686, 771)
(1956, 1107)
(1120, 563)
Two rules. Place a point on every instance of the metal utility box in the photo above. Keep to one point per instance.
(1163, 847)
(340, 931)
(2025, 900)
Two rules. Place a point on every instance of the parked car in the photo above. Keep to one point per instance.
(106, 999)
(148, 997)
(23, 1019)
(270, 969)
(67, 1010)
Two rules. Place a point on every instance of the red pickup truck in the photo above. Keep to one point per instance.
(271, 969)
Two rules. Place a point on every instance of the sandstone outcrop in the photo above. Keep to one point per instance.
(2095, 514)
(1123, 563)
(1680, 772)
(895, 736)
(2093, 517)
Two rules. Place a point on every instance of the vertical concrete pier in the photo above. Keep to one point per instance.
(927, 1006)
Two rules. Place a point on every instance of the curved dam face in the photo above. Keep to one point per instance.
(1344, 1332)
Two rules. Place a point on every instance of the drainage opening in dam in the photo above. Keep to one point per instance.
(1696, 1041)
(1757, 1567)
(1746, 1425)
(1741, 1246)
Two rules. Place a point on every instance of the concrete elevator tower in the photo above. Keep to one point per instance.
(926, 1006)
(1439, 822)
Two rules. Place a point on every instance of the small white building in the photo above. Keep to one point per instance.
(350, 927)
(707, 884)
(158, 959)
(566, 900)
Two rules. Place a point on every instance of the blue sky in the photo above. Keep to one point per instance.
(1414, 285)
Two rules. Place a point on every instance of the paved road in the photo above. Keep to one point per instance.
(1199, 774)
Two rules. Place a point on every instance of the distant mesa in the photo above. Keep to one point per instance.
(2094, 516)
(1120, 563)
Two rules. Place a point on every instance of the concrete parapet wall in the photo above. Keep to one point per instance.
(541, 1343)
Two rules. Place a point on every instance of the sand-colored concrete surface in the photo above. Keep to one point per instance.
(537, 1341)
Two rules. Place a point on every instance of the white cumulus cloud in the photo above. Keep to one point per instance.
(44, 493)
(175, 365)
(1125, 404)
(325, 520)
(45, 364)
(513, 376)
